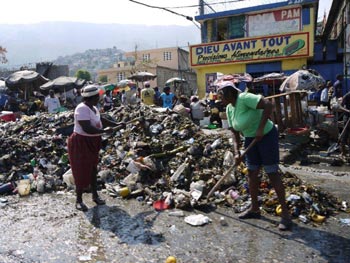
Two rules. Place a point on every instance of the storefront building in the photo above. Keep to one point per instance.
(258, 40)
(334, 46)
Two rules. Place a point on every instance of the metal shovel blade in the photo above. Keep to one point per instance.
(334, 147)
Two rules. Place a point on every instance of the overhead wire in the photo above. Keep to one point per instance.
(168, 10)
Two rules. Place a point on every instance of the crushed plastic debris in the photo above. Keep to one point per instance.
(158, 151)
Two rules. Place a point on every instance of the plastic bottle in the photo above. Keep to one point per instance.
(216, 143)
(303, 219)
(178, 172)
(177, 213)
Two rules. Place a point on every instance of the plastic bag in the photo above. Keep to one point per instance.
(229, 159)
(197, 220)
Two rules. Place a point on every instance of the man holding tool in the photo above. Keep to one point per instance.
(249, 114)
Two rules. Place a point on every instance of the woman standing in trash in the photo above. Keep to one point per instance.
(249, 114)
(85, 143)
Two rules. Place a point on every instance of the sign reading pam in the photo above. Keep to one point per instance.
(251, 49)
(274, 22)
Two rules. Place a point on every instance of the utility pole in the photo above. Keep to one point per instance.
(201, 7)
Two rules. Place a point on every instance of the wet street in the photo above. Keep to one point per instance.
(47, 228)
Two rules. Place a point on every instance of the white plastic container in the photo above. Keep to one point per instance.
(23, 187)
(224, 124)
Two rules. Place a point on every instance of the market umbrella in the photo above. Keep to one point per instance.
(24, 80)
(108, 87)
(125, 82)
(63, 84)
(306, 79)
(3, 87)
(234, 78)
(142, 76)
(270, 79)
(175, 80)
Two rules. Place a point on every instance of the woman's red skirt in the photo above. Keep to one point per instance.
(83, 157)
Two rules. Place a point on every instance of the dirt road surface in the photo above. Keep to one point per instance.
(47, 228)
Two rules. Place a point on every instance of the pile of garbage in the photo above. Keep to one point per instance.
(161, 158)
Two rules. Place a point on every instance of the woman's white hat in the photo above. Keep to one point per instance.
(89, 91)
(224, 84)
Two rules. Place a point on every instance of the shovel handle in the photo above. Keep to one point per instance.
(230, 169)
(343, 131)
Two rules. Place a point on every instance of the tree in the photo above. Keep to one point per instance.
(103, 79)
(3, 58)
(83, 74)
(142, 63)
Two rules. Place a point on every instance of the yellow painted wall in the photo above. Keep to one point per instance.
(225, 69)
(287, 64)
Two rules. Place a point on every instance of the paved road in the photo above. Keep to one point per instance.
(47, 228)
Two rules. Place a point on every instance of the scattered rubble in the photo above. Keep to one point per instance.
(160, 155)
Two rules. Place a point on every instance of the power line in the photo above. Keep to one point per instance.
(217, 3)
(168, 10)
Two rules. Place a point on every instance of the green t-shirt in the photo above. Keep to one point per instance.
(244, 117)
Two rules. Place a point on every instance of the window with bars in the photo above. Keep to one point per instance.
(166, 55)
(146, 57)
(120, 76)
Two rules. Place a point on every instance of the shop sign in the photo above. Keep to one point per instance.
(251, 49)
(274, 22)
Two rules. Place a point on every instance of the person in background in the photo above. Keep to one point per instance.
(249, 114)
(11, 103)
(330, 92)
(147, 94)
(197, 109)
(78, 98)
(123, 98)
(157, 96)
(3, 100)
(107, 101)
(338, 87)
(168, 98)
(52, 103)
(184, 101)
(345, 107)
(85, 143)
(324, 101)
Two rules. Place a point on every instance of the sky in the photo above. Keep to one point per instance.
(110, 11)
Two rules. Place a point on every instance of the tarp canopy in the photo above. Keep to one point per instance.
(63, 83)
(125, 82)
(271, 78)
(234, 78)
(308, 79)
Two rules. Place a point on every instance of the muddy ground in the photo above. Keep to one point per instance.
(47, 228)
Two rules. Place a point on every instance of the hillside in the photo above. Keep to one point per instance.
(91, 60)
(49, 40)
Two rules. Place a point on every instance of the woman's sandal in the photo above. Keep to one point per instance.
(250, 215)
(99, 201)
(81, 206)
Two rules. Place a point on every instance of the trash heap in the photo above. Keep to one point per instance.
(161, 158)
